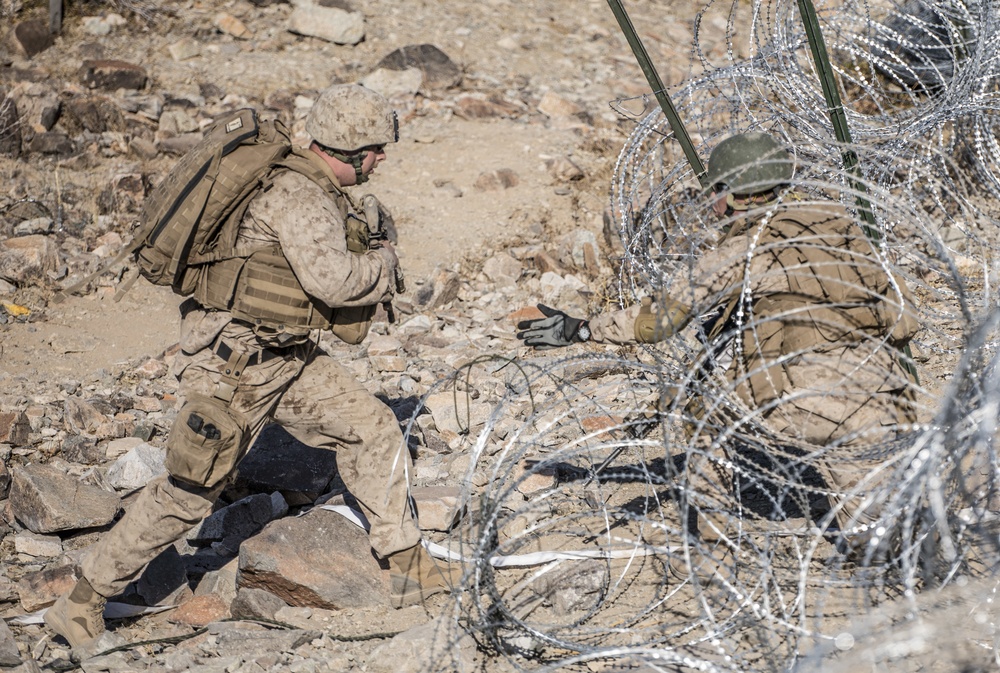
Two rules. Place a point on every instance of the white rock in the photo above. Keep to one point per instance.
(137, 467)
(32, 544)
(327, 23)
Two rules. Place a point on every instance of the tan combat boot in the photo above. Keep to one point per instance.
(414, 576)
(79, 615)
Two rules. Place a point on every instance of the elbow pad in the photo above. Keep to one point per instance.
(651, 327)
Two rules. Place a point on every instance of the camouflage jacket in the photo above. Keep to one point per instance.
(805, 301)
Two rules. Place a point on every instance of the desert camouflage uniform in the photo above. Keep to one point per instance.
(817, 359)
(304, 389)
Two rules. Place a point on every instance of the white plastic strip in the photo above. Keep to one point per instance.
(513, 560)
(111, 611)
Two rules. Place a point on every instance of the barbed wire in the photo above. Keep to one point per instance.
(650, 511)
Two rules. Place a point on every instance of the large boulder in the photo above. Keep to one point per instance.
(318, 560)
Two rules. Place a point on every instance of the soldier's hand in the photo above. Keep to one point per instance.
(388, 253)
(555, 330)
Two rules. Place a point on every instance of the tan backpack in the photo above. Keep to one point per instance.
(182, 218)
(212, 184)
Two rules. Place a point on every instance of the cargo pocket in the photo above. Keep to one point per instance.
(351, 324)
(205, 442)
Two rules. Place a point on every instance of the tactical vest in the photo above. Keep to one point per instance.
(258, 286)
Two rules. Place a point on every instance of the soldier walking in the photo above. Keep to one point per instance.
(250, 356)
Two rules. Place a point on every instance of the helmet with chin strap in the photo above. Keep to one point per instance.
(348, 118)
(748, 164)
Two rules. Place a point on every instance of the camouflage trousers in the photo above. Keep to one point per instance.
(833, 437)
(317, 401)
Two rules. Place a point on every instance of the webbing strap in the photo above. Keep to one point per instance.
(180, 253)
(235, 365)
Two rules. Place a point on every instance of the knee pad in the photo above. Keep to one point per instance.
(206, 441)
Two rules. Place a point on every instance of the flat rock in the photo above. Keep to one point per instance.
(14, 428)
(255, 604)
(51, 142)
(327, 23)
(27, 258)
(81, 416)
(443, 288)
(502, 269)
(448, 418)
(394, 83)
(47, 500)
(200, 610)
(424, 648)
(249, 641)
(294, 559)
(32, 544)
(97, 114)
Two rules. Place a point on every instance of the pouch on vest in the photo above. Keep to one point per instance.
(206, 441)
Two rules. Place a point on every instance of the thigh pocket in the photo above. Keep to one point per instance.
(205, 442)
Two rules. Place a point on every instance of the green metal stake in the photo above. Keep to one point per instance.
(843, 133)
(838, 117)
(656, 84)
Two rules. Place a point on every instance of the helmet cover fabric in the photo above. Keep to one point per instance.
(348, 117)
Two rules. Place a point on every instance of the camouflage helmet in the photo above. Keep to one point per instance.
(749, 163)
(348, 117)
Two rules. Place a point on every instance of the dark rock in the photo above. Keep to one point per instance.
(14, 428)
(10, 127)
(96, 114)
(439, 71)
(32, 37)
(255, 604)
(46, 500)
(233, 524)
(442, 289)
(4, 480)
(83, 449)
(294, 559)
(51, 142)
(82, 416)
(9, 654)
(41, 589)
(112, 75)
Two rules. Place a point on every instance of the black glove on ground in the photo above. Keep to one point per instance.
(555, 330)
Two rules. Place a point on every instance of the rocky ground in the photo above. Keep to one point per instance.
(497, 188)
